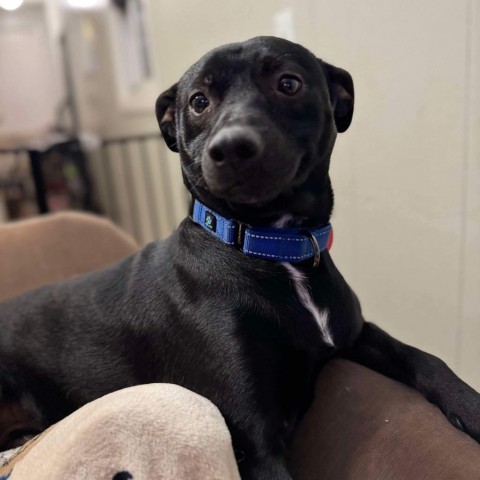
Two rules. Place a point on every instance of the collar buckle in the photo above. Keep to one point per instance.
(240, 234)
(315, 245)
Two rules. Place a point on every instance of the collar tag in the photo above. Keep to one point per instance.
(210, 221)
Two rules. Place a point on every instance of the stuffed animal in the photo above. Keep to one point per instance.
(146, 432)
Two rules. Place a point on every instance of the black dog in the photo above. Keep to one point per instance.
(255, 124)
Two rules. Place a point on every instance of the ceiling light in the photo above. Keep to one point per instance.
(85, 4)
(10, 4)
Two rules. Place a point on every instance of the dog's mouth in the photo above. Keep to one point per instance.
(242, 194)
(254, 187)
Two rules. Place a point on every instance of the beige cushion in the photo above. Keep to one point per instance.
(54, 247)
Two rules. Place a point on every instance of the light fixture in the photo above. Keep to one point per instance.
(85, 4)
(10, 4)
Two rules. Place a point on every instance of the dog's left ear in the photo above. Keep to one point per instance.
(340, 85)
(165, 110)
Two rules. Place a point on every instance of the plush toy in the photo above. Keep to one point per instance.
(156, 431)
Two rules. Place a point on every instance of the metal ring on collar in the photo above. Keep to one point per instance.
(315, 245)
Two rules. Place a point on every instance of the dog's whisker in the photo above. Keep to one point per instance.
(188, 165)
(197, 181)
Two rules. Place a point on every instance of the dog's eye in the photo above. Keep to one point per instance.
(289, 85)
(199, 102)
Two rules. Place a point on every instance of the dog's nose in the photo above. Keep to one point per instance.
(234, 145)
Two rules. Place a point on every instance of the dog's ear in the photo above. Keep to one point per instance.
(340, 85)
(165, 111)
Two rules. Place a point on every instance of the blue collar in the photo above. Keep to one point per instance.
(290, 245)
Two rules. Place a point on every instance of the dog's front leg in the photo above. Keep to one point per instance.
(428, 374)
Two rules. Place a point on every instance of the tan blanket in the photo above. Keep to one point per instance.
(156, 431)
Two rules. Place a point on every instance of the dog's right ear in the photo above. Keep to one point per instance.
(165, 110)
(342, 95)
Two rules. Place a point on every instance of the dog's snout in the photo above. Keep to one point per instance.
(235, 145)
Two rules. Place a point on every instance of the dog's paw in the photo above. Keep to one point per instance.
(462, 409)
(456, 422)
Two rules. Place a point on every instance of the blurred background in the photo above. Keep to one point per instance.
(78, 83)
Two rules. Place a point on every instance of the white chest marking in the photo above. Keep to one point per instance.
(321, 317)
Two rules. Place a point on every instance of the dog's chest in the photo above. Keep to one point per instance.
(271, 293)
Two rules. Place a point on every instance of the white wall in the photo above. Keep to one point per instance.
(468, 350)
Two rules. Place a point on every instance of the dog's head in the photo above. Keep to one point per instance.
(255, 124)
